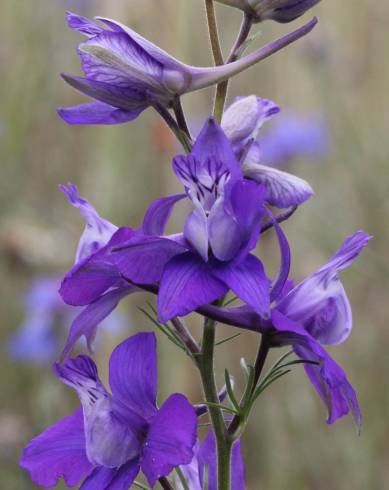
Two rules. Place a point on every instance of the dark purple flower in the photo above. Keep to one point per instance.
(213, 254)
(279, 10)
(204, 463)
(125, 73)
(241, 122)
(114, 435)
(315, 312)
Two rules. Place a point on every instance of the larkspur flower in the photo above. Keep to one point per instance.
(113, 436)
(241, 123)
(279, 10)
(203, 263)
(92, 281)
(315, 312)
(202, 468)
(47, 319)
(125, 73)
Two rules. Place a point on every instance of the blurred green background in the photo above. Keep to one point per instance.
(339, 71)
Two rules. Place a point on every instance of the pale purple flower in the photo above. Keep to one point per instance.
(116, 434)
(125, 73)
(291, 137)
(315, 312)
(241, 123)
(47, 319)
(278, 10)
(98, 230)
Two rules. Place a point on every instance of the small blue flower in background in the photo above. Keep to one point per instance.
(47, 321)
(116, 434)
(292, 137)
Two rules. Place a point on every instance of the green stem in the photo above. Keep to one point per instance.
(223, 440)
(165, 484)
(182, 137)
(213, 32)
(222, 88)
(236, 426)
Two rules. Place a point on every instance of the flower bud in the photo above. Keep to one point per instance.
(278, 10)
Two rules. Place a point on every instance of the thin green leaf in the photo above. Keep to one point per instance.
(230, 301)
(182, 478)
(261, 388)
(221, 407)
(139, 485)
(230, 391)
(228, 339)
(165, 330)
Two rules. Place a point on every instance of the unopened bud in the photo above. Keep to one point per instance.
(278, 10)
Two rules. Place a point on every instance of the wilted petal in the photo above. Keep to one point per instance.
(283, 189)
(320, 302)
(98, 231)
(58, 452)
(327, 377)
(86, 323)
(133, 373)
(247, 279)
(207, 464)
(97, 113)
(186, 284)
(143, 258)
(171, 438)
(111, 440)
(158, 214)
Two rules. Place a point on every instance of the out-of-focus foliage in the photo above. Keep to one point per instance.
(341, 72)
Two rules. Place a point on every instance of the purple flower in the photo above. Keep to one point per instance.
(315, 312)
(39, 337)
(204, 463)
(125, 73)
(291, 137)
(114, 435)
(92, 280)
(98, 230)
(279, 10)
(241, 123)
(209, 258)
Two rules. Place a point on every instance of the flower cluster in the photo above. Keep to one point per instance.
(236, 194)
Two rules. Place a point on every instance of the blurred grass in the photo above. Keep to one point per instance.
(340, 71)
